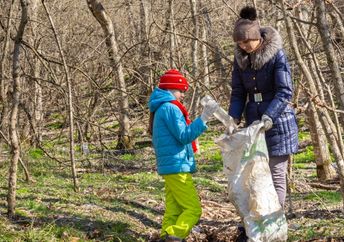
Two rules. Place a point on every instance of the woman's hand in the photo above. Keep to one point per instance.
(267, 122)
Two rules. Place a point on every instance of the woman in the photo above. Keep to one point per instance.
(262, 87)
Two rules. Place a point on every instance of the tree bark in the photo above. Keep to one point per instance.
(194, 56)
(37, 104)
(26, 171)
(220, 70)
(172, 36)
(336, 19)
(205, 62)
(3, 85)
(124, 140)
(325, 34)
(145, 69)
(324, 168)
(15, 149)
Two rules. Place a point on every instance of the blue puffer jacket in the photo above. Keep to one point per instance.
(267, 72)
(172, 137)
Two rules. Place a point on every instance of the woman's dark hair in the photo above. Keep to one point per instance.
(248, 13)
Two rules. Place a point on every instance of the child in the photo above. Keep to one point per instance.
(173, 141)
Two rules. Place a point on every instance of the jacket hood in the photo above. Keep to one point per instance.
(272, 42)
(158, 97)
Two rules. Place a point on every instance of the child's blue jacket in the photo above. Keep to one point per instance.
(172, 137)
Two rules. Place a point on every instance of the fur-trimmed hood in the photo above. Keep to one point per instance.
(272, 42)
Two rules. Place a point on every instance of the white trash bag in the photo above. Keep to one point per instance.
(250, 186)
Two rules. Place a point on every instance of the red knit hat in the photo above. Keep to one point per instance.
(173, 79)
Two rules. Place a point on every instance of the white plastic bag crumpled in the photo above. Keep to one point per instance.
(250, 185)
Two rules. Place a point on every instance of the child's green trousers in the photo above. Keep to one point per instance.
(183, 207)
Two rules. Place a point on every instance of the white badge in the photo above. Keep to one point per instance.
(258, 97)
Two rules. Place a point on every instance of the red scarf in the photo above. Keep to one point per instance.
(186, 116)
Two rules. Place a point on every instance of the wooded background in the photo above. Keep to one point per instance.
(80, 73)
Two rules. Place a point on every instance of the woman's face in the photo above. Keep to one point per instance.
(249, 46)
(178, 94)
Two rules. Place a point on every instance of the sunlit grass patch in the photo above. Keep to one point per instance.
(304, 136)
(320, 228)
(208, 184)
(306, 156)
(325, 196)
(130, 157)
(35, 206)
(214, 164)
(302, 166)
(35, 153)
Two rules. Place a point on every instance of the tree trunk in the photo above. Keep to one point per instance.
(3, 85)
(131, 19)
(325, 34)
(325, 171)
(194, 56)
(12, 179)
(205, 62)
(145, 69)
(37, 104)
(170, 28)
(220, 70)
(340, 31)
(324, 168)
(70, 101)
(124, 140)
(26, 171)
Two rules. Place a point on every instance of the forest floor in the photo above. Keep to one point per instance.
(121, 198)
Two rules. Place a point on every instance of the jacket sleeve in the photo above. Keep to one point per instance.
(239, 93)
(283, 86)
(176, 124)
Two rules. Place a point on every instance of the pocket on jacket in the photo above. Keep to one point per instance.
(286, 123)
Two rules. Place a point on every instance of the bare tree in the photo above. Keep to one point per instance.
(172, 36)
(145, 69)
(37, 104)
(325, 171)
(324, 31)
(194, 57)
(3, 85)
(205, 62)
(15, 148)
(124, 139)
(322, 112)
(70, 101)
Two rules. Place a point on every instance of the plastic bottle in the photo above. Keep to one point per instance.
(221, 115)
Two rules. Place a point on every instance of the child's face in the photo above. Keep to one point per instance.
(178, 94)
(249, 45)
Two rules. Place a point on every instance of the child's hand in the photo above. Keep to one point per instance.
(209, 109)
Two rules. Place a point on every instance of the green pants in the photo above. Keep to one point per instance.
(183, 207)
